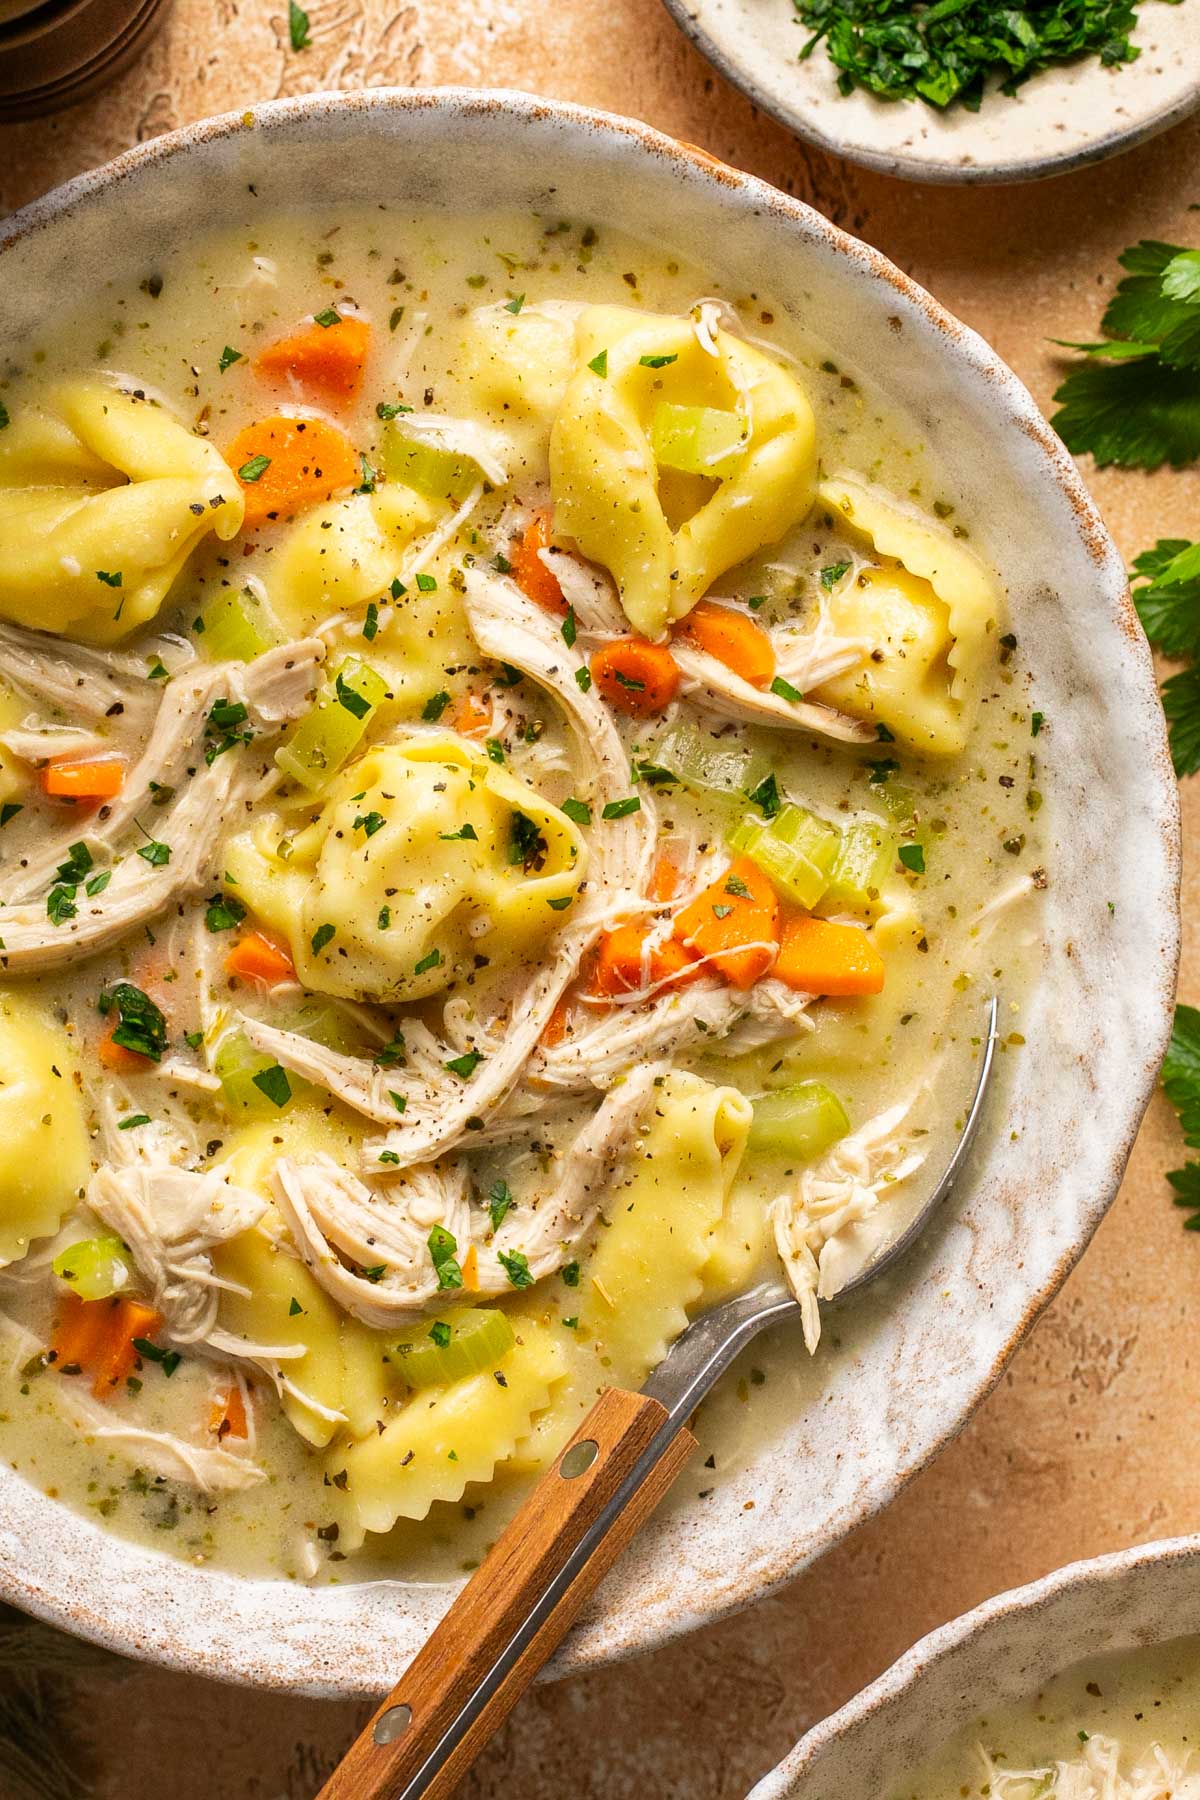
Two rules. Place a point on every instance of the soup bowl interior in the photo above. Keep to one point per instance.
(1061, 1119)
(997, 1655)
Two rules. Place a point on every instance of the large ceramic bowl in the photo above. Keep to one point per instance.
(915, 1359)
(998, 1654)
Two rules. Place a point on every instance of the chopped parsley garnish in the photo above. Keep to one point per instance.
(464, 831)
(273, 1082)
(630, 681)
(722, 912)
(514, 306)
(384, 920)
(324, 934)
(881, 771)
(766, 797)
(376, 1272)
(294, 1308)
(570, 1274)
(9, 811)
(583, 679)
(369, 476)
(526, 845)
(388, 1055)
(435, 706)
(466, 1064)
(599, 363)
(132, 1120)
(439, 1331)
(371, 622)
(156, 854)
(1037, 720)
(621, 809)
(369, 823)
(297, 26)
(428, 962)
(658, 362)
(654, 775)
(495, 750)
(399, 1101)
(112, 579)
(427, 584)
(356, 704)
(443, 1249)
(737, 887)
(561, 904)
(500, 1201)
(570, 628)
(227, 358)
(832, 573)
(327, 318)
(167, 1360)
(516, 1267)
(387, 409)
(221, 731)
(254, 469)
(397, 589)
(1136, 400)
(5, 419)
(785, 690)
(223, 912)
(577, 811)
(912, 856)
(140, 1026)
(946, 52)
(98, 883)
(60, 904)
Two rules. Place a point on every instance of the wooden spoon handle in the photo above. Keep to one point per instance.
(517, 1606)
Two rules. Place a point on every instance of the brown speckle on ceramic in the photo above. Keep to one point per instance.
(1061, 119)
(990, 1658)
(915, 1359)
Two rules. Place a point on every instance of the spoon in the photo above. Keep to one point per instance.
(518, 1605)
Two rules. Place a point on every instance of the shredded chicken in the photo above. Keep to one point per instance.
(205, 796)
(1099, 1772)
(825, 1230)
(172, 1219)
(73, 680)
(337, 1219)
(713, 686)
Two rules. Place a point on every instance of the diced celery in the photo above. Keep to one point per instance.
(327, 734)
(718, 768)
(438, 474)
(796, 850)
(236, 1064)
(96, 1267)
(474, 1338)
(865, 856)
(799, 1121)
(321, 1021)
(697, 440)
(238, 627)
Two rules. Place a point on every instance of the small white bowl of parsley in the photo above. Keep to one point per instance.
(959, 90)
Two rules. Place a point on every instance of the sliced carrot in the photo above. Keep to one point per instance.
(733, 639)
(818, 956)
(529, 571)
(735, 923)
(79, 1330)
(635, 676)
(227, 1417)
(555, 1029)
(258, 958)
(619, 962)
(117, 1058)
(84, 778)
(327, 359)
(470, 1270)
(472, 716)
(664, 882)
(284, 464)
(128, 1319)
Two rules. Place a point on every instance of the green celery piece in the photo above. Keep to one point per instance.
(321, 1021)
(864, 858)
(438, 474)
(236, 1063)
(328, 734)
(697, 440)
(479, 1338)
(96, 1267)
(238, 627)
(795, 850)
(723, 770)
(799, 1121)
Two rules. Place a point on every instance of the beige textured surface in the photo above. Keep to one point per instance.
(1067, 1458)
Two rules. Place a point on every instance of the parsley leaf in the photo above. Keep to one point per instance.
(1169, 608)
(443, 1248)
(297, 26)
(500, 1201)
(141, 1027)
(1181, 1084)
(273, 1082)
(516, 1267)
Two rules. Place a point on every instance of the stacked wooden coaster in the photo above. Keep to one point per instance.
(55, 52)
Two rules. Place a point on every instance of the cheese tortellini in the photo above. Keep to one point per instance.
(45, 1158)
(424, 857)
(343, 554)
(666, 533)
(103, 498)
(511, 368)
(926, 620)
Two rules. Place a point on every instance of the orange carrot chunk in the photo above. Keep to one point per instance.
(79, 1329)
(258, 958)
(327, 359)
(734, 923)
(118, 1354)
(120, 1060)
(555, 1029)
(470, 1270)
(284, 464)
(664, 881)
(635, 676)
(227, 1417)
(530, 573)
(618, 965)
(817, 956)
(733, 639)
(82, 778)
(472, 716)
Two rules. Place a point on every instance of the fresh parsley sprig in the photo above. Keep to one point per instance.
(1168, 605)
(1181, 1084)
(1136, 400)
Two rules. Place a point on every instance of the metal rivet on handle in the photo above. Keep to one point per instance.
(578, 1459)
(392, 1724)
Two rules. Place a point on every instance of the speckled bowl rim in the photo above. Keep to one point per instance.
(322, 1664)
(1096, 1575)
(908, 167)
